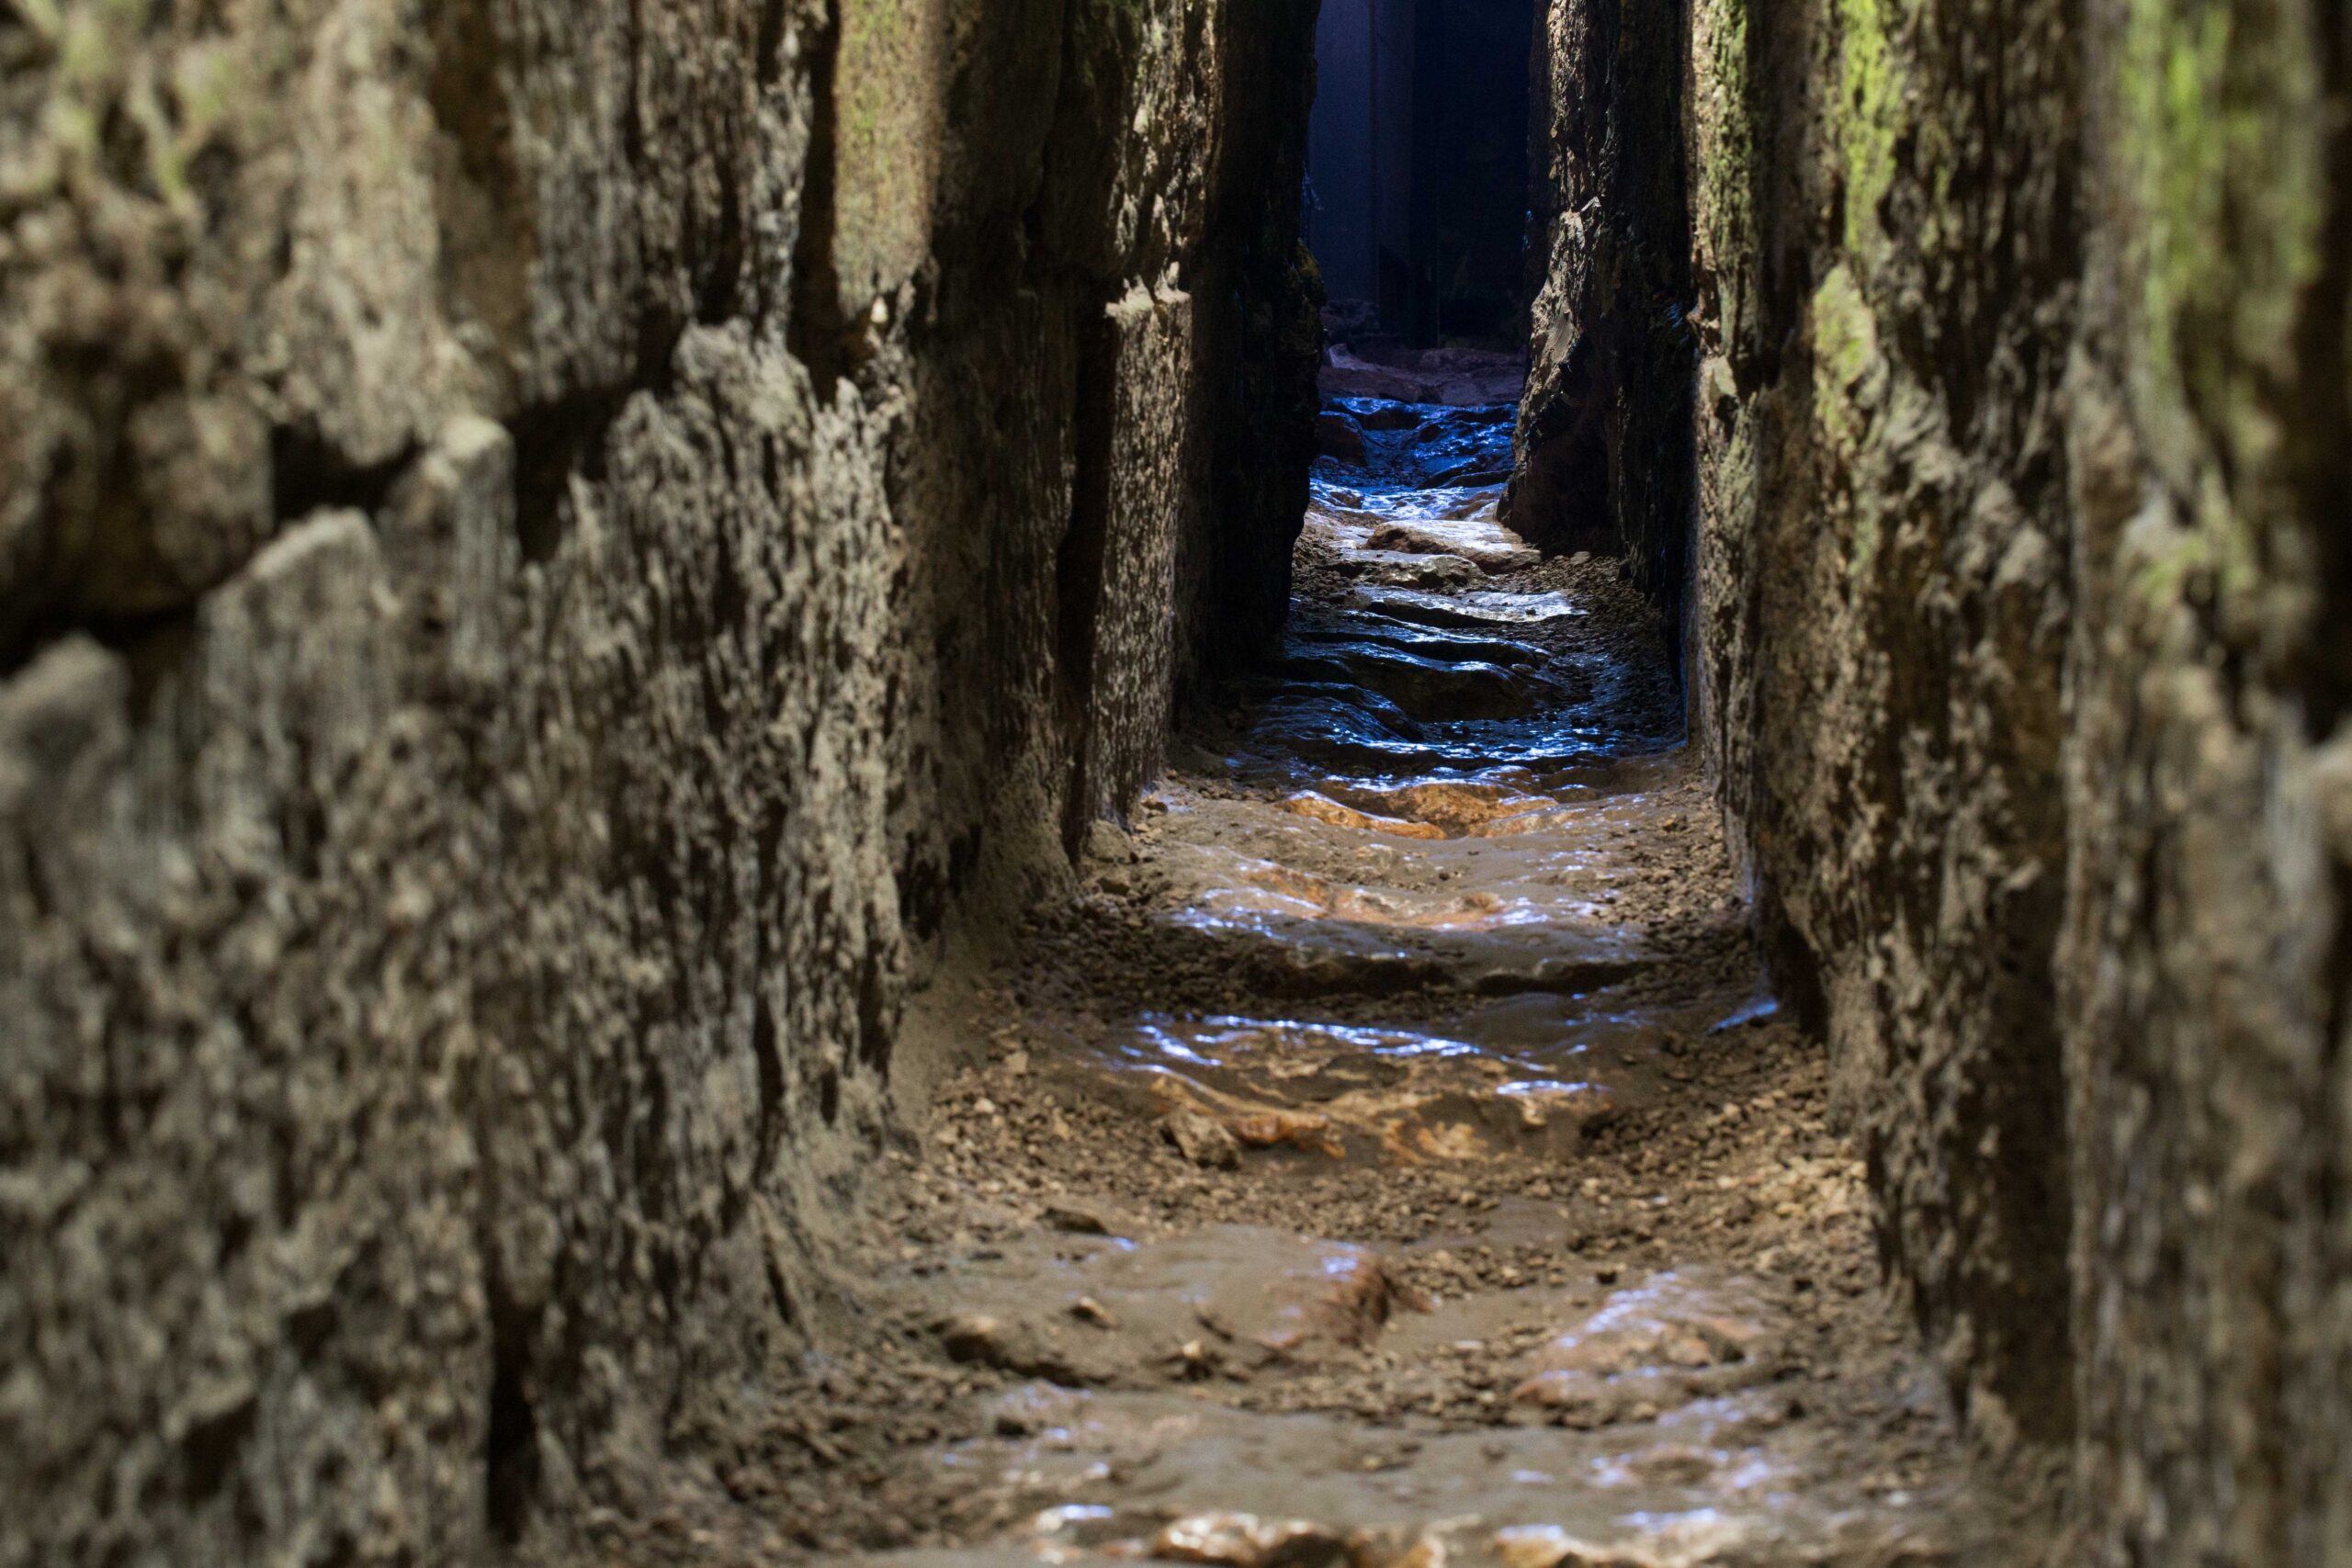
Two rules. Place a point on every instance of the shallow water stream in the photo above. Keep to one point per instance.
(1395, 1157)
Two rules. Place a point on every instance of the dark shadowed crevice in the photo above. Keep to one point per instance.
(720, 287)
(553, 442)
(308, 474)
(924, 893)
(1793, 963)
(1079, 570)
(153, 648)
(2324, 398)
(963, 862)
(767, 1055)
(511, 1447)
(819, 334)
(210, 1451)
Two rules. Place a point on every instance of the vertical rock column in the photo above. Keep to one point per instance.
(2024, 447)
(1118, 563)
(1603, 441)
(2208, 954)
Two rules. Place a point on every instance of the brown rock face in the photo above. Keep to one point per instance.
(2014, 608)
(1603, 438)
(1882, 592)
(543, 547)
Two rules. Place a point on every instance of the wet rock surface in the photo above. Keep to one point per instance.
(1392, 1156)
(1406, 378)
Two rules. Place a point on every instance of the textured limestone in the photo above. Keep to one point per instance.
(1876, 590)
(536, 568)
(1882, 598)
(2206, 958)
(1602, 445)
(2016, 591)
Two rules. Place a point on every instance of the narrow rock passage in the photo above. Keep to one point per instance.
(1395, 1157)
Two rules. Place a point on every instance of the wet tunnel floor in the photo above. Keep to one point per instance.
(1394, 1157)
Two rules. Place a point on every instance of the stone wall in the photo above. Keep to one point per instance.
(2017, 577)
(546, 550)
(1604, 439)
(2207, 954)
(1887, 259)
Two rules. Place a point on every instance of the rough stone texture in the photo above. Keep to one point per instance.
(2208, 950)
(1887, 276)
(2019, 585)
(544, 550)
(1603, 440)
(1876, 589)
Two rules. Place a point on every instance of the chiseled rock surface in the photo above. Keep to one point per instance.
(1602, 438)
(1882, 595)
(534, 574)
(2207, 957)
(2015, 613)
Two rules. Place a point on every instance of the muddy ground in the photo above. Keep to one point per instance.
(1395, 1157)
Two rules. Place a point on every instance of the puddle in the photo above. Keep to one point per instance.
(1224, 1304)
(1339, 1091)
(1676, 1337)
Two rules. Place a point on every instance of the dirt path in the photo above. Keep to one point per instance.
(1395, 1159)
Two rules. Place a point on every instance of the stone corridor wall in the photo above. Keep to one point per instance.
(2019, 570)
(2207, 957)
(1887, 258)
(545, 549)
(1603, 438)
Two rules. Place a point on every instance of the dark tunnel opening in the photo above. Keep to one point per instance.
(1418, 169)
